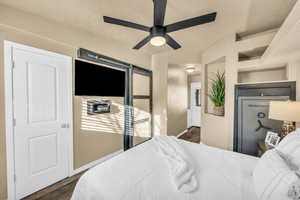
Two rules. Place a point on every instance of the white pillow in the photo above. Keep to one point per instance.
(272, 177)
(290, 147)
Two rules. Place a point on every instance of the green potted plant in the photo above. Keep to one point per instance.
(217, 93)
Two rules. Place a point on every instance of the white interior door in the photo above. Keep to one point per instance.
(41, 112)
(195, 111)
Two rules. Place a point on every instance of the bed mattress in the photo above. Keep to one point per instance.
(141, 174)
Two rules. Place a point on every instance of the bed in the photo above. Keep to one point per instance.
(142, 174)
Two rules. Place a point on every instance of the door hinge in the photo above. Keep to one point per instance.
(14, 122)
(15, 178)
(65, 125)
(13, 64)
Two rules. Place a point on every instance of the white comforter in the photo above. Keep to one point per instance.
(142, 174)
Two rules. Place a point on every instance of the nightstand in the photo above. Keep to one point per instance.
(262, 147)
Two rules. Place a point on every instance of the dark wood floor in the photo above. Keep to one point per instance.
(193, 134)
(59, 191)
(63, 193)
(63, 190)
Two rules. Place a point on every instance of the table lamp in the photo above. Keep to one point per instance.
(286, 111)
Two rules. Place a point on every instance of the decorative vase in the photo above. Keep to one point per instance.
(219, 110)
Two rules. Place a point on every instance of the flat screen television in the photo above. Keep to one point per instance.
(96, 80)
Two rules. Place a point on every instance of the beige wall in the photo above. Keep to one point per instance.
(160, 95)
(66, 37)
(35, 31)
(170, 99)
(194, 78)
(278, 74)
(213, 132)
(218, 131)
(177, 99)
(95, 136)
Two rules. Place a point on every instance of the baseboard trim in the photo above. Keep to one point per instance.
(94, 163)
(182, 133)
(194, 127)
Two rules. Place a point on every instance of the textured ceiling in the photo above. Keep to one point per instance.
(248, 16)
(267, 14)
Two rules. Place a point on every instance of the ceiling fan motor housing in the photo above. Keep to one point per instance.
(158, 31)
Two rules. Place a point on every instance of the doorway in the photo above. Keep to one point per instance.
(38, 95)
(194, 113)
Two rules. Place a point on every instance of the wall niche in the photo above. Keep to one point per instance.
(263, 75)
(210, 74)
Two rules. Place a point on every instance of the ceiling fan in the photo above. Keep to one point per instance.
(159, 32)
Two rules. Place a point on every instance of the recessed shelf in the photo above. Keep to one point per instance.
(248, 35)
(255, 53)
(263, 75)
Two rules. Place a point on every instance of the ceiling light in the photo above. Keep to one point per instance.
(190, 68)
(158, 41)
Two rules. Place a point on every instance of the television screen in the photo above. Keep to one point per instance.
(96, 80)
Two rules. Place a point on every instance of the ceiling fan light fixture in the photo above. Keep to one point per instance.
(158, 41)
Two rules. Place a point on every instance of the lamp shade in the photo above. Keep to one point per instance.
(285, 110)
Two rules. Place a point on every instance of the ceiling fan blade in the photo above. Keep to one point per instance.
(120, 22)
(142, 43)
(159, 12)
(191, 22)
(172, 43)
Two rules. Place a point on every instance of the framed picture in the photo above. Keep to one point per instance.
(272, 139)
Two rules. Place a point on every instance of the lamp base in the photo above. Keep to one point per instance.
(287, 128)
